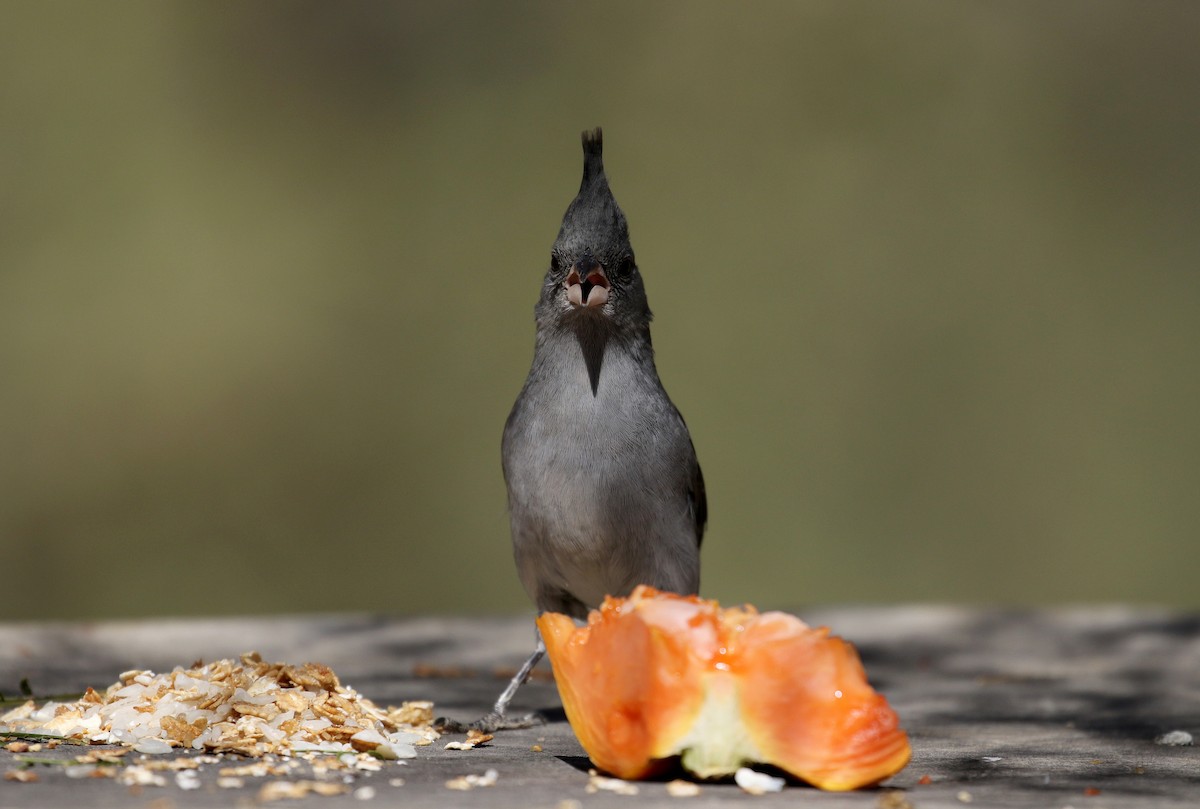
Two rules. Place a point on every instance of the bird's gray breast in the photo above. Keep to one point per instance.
(598, 481)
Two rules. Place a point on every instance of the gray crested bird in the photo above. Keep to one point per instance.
(604, 489)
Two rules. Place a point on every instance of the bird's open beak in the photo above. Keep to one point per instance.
(587, 285)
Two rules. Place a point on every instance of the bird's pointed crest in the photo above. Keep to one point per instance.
(593, 157)
(593, 221)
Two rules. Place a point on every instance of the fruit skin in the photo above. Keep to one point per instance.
(657, 675)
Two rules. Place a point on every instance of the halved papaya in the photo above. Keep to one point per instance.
(657, 675)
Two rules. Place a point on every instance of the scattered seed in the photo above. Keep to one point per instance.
(21, 776)
(1175, 738)
(757, 783)
(682, 789)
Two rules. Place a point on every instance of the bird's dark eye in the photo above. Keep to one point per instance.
(555, 262)
(626, 265)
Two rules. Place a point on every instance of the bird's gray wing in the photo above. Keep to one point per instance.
(698, 502)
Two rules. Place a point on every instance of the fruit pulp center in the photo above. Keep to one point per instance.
(717, 743)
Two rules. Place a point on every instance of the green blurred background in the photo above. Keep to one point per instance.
(926, 278)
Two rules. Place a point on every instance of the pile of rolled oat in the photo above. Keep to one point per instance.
(245, 706)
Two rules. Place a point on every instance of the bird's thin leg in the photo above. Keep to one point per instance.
(498, 718)
(519, 679)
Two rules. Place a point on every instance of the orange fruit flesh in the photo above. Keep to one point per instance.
(657, 675)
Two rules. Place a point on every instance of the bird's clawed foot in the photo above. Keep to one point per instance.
(489, 723)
